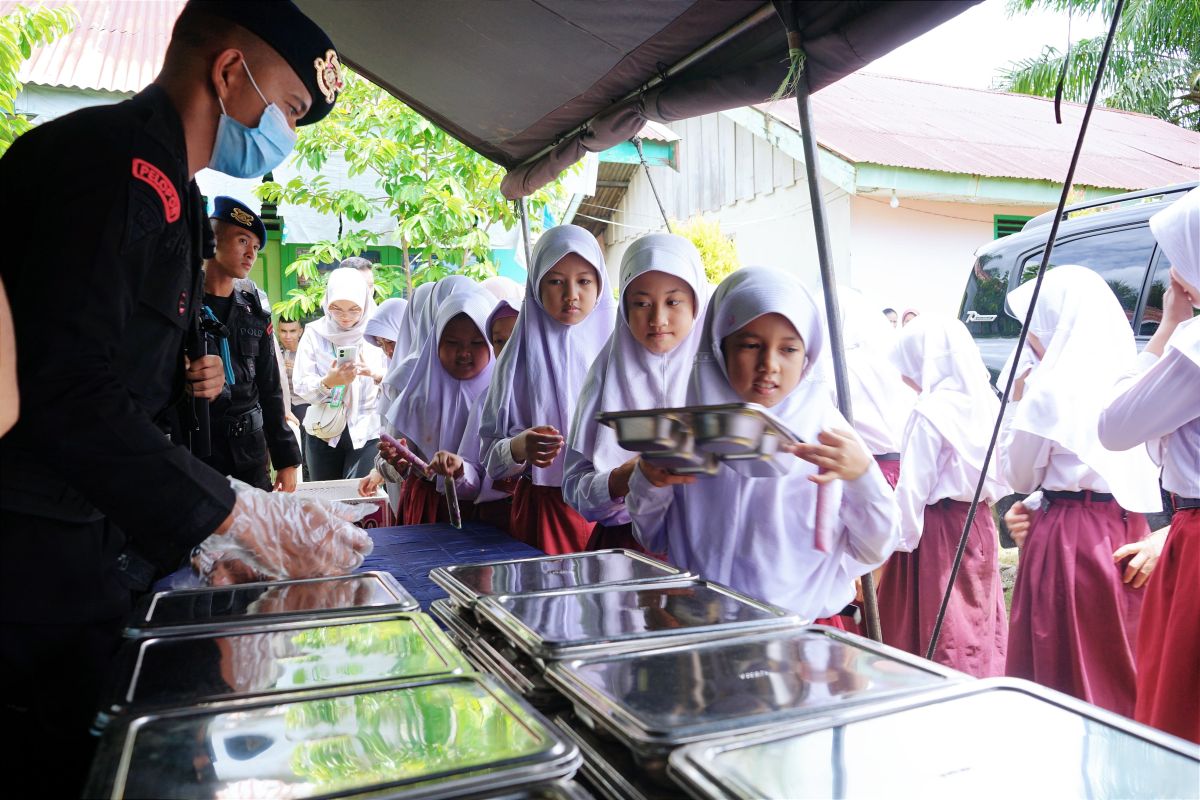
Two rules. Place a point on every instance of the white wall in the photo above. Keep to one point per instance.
(919, 255)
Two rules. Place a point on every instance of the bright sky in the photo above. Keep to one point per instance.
(970, 49)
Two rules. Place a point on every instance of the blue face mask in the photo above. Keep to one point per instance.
(242, 152)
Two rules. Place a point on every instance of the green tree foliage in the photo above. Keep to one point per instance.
(441, 195)
(717, 251)
(1154, 66)
(21, 30)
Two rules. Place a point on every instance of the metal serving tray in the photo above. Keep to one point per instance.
(447, 737)
(218, 607)
(515, 670)
(272, 659)
(467, 583)
(995, 738)
(575, 623)
(608, 768)
(559, 790)
(701, 435)
(653, 701)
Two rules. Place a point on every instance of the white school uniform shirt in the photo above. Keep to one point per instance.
(1162, 407)
(752, 526)
(627, 376)
(948, 432)
(1049, 438)
(879, 398)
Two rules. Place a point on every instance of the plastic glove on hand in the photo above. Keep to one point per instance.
(279, 536)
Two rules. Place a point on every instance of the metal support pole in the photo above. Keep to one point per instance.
(812, 171)
(523, 212)
(637, 143)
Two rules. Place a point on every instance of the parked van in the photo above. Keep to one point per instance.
(1110, 235)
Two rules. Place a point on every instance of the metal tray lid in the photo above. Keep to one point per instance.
(214, 607)
(558, 790)
(466, 583)
(214, 666)
(446, 737)
(990, 738)
(577, 622)
(608, 767)
(461, 629)
(696, 690)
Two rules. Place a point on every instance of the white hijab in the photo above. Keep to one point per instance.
(627, 376)
(938, 354)
(1089, 346)
(880, 400)
(543, 366)
(1177, 229)
(744, 296)
(432, 407)
(348, 284)
(757, 534)
(420, 321)
(386, 321)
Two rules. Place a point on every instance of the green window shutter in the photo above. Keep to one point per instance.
(1007, 224)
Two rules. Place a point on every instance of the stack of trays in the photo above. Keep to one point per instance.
(215, 607)
(993, 738)
(329, 687)
(653, 701)
(608, 769)
(455, 736)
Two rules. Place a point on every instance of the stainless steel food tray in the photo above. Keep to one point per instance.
(277, 658)
(693, 439)
(219, 607)
(575, 623)
(995, 738)
(653, 701)
(466, 583)
(439, 738)
(608, 768)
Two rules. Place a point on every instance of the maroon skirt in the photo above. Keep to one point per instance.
(975, 630)
(542, 518)
(890, 467)
(614, 537)
(1074, 622)
(1168, 643)
(420, 502)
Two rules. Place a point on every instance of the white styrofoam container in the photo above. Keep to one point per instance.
(346, 491)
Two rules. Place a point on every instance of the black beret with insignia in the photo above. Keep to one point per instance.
(229, 210)
(294, 36)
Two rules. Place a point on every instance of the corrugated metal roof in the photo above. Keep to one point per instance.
(116, 47)
(906, 123)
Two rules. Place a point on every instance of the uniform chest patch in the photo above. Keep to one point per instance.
(148, 173)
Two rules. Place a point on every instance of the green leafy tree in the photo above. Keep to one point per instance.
(1154, 66)
(21, 30)
(718, 253)
(441, 196)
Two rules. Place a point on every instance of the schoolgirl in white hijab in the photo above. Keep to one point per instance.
(628, 375)
(757, 534)
(1161, 409)
(348, 305)
(419, 323)
(383, 331)
(1073, 618)
(880, 400)
(566, 317)
(411, 333)
(504, 288)
(941, 458)
(431, 410)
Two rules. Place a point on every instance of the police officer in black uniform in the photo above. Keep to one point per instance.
(248, 420)
(104, 230)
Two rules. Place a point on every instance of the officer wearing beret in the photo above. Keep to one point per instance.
(95, 499)
(248, 420)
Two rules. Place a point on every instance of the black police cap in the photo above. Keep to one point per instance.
(229, 210)
(294, 36)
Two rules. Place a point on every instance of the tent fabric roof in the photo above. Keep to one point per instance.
(515, 79)
(906, 123)
(115, 47)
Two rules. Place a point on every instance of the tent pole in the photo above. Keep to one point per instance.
(812, 169)
(523, 212)
(637, 142)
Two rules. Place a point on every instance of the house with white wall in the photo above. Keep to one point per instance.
(915, 176)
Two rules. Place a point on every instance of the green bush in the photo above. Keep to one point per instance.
(717, 251)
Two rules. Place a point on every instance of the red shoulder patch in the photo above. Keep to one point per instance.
(270, 329)
(152, 175)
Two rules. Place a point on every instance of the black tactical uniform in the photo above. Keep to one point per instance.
(104, 234)
(248, 421)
